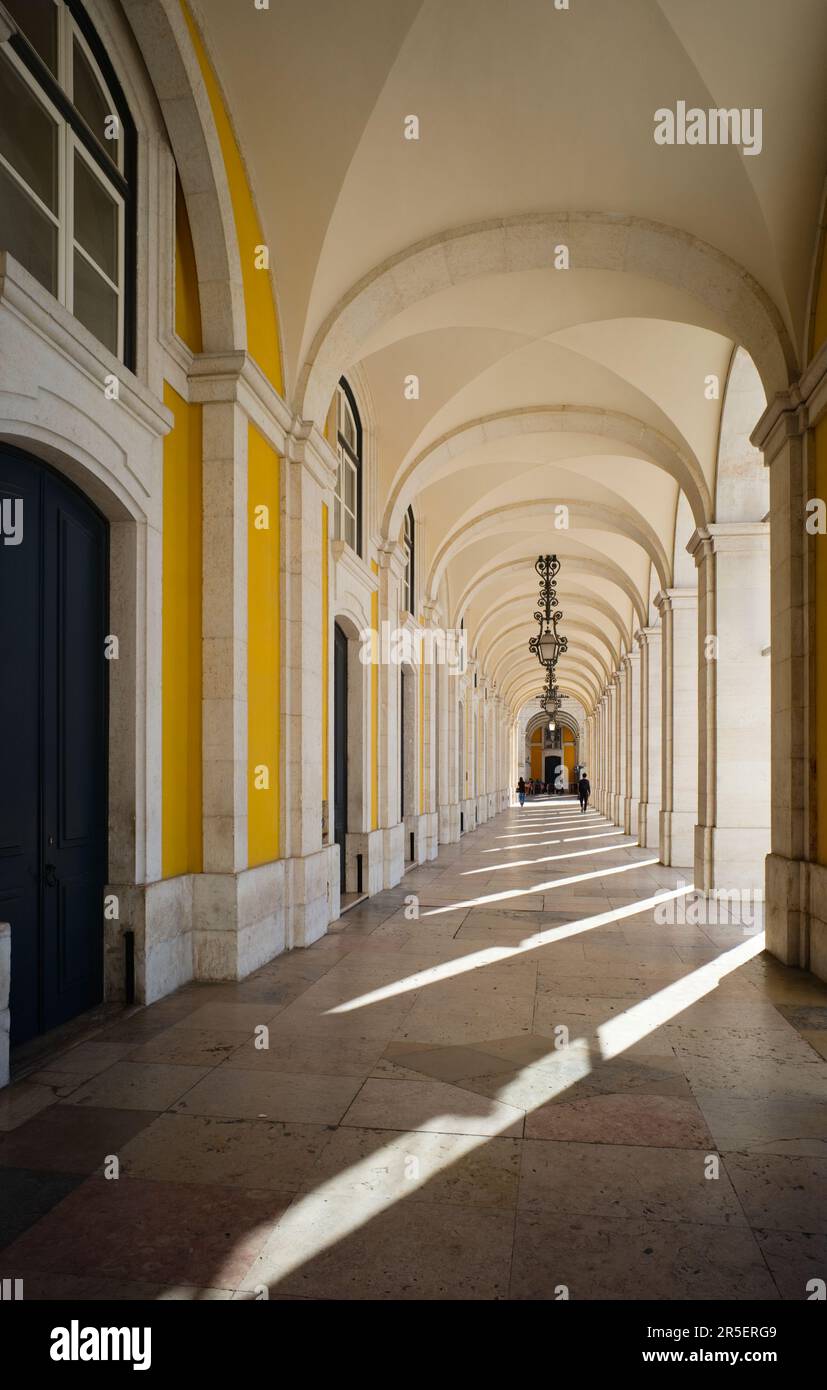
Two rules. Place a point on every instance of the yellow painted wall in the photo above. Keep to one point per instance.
(421, 735)
(821, 647)
(181, 845)
(187, 298)
(535, 753)
(325, 658)
(820, 308)
(374, 712)
(820, 545)
(259, 304)
(263, 650)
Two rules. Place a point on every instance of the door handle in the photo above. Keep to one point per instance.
(50, 876)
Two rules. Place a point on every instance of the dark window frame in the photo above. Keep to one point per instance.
(124, 181)
(355, 458)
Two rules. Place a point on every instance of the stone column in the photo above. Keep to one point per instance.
(796, 883)
(679, 721)
(603, 766)
(447, 751)
(623, 799)
(630, 824)
(224, 670)
(615, 811)
(649, 641)
(312, 859)
(392, 561)
(732, 835)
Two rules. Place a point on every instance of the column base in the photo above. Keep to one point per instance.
(394, 852)
(312, 886)
(617, 811)
(648, 825)
(796, 913)
(160, 915)
(370, 845)
(448, 817)
(5, 989)
(238, 921)
(677, 839)
(421, 837)
(730, 858)
(482, 809)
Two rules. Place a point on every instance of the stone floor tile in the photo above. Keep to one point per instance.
(413, 1250)
(71, 1138)
(434, 1106)
(673, 1122)
(417, 1166)
(137, 1086)
(250, 1095)
(765, 1124)
(613, 1180)
(26, 1195)
(610, 1258)
(231, 1152)
(795, 1259)
(160, 1233)
(781, 1191)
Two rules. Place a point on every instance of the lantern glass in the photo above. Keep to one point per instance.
(548, 646)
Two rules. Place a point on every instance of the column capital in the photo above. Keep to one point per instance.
(647, 636)
(392, 557)
(667, 600)
(792, 412)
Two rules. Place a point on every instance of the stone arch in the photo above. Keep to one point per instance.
(571, 625)
(160, 31)
(598, 569)
(596, 241)
(652, 445)
(579, 598)
(594, 516)
(590, 658)
(526, 680)
(742, 481)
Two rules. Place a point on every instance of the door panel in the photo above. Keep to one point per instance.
(20, 703)
(340, 746)
(51, 889)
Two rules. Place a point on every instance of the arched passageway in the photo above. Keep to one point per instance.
(310, 384)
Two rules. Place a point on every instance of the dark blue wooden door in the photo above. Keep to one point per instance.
(53, 725)
(340, 746)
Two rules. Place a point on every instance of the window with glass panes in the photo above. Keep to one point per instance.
(66, 157)
(408, 543)
(348, 496)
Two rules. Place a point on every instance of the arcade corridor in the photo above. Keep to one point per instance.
(413, 1131)
(400, 404)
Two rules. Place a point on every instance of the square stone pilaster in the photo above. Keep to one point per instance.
(678, 610)
(786, 433)
(649, 642)
(732, 835)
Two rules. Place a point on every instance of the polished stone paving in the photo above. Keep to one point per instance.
(534, 1086)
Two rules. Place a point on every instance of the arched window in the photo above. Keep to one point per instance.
(347, 503)
(408, 535)
(67, 158)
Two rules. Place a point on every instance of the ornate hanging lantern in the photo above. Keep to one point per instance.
(547, 646)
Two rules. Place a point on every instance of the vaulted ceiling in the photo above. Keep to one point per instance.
(435, 258)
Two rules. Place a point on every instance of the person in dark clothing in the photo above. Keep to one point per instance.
(521, 792)
(584, 791)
